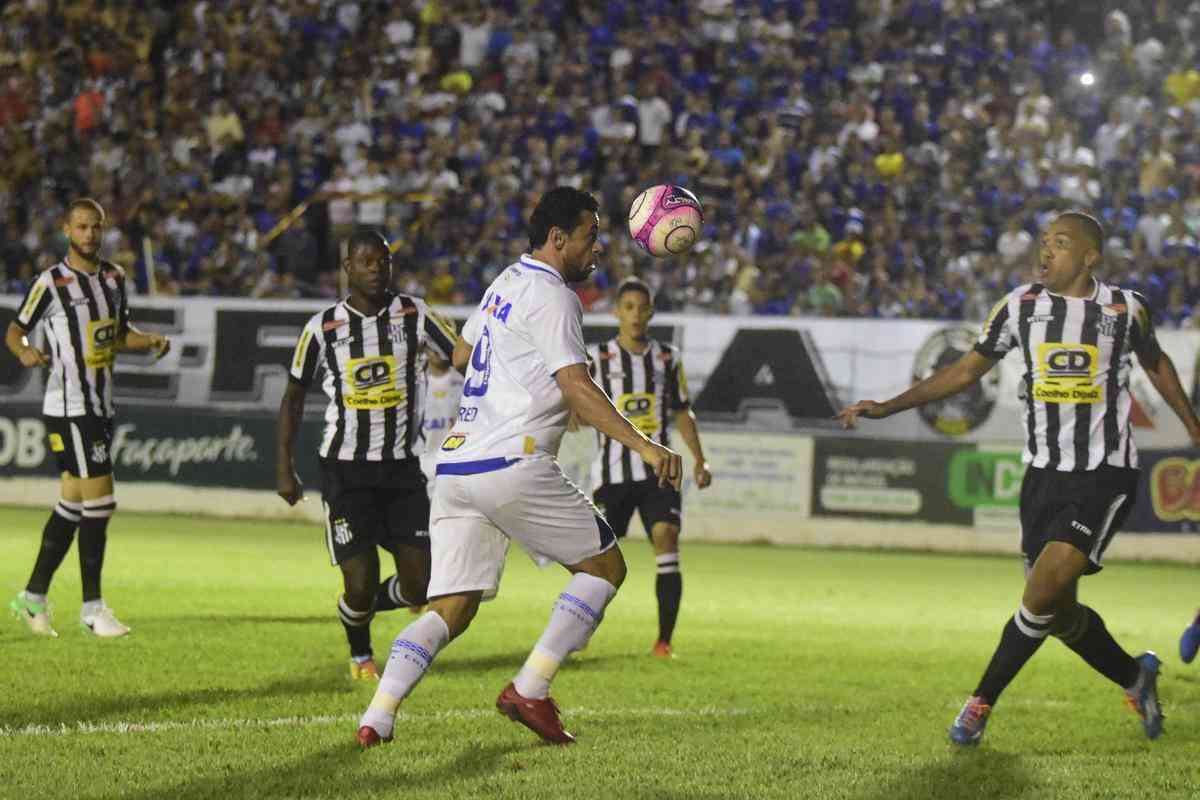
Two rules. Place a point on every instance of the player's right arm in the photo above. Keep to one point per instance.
(592, 406)
(996, 339)
(33, 308)
(305, 361)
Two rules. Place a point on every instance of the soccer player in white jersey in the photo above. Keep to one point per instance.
(82, 305)
(498, 477)
(1077, 337)
(442, 397)
(646, 380)
(371, 350)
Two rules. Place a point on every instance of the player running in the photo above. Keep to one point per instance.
(371, 348)
(497, 476)
(1076, 336)
(82, 305)
(645, 379)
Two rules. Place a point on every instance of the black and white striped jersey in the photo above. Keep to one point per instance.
(647, 388)
(374, 374)
(1078, 355)
(84, 315)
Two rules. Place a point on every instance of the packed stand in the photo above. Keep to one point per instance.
(885, 158)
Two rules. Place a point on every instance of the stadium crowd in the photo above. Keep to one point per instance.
(886, 158)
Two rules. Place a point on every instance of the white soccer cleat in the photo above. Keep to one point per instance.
(102, 623)
(36, 615)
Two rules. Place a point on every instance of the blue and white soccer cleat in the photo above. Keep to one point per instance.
(970, 723)
(1143, 697)
(1189, 643)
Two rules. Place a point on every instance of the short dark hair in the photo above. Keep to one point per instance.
(85, 203)
(559, 208)
(635, 285)
(366, 237)
(1091, 227)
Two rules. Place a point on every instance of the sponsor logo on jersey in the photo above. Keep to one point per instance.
(100, 344)
(640, 408)
(371, 383)
(1110, 317)
(66, 280)
(967, 410)
(56, 443)
(454, 441)
(1034, 319)
(1079, 526)
(333, 325)
(1066, 373)
(1030, 296)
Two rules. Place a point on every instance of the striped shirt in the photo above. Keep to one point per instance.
(84, 315)
(374, 374)
(646, 388)
(1077, 354)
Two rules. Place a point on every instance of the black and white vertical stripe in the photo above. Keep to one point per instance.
(83, 314)
(340, 339)
(621, 374)
(1073, 436)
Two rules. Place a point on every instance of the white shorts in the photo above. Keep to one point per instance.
(474, 516)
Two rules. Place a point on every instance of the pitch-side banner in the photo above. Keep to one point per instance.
(744, 373)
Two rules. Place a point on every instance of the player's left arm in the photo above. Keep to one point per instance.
(132, 340)
(1161, 370)
(685, 421)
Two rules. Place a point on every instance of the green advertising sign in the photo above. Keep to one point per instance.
(982, 479)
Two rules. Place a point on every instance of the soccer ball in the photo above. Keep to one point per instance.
(665, 220)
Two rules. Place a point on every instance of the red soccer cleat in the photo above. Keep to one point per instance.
(368, 737)
(662, 650)
(540, 716)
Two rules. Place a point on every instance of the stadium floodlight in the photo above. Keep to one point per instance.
(1087, 79)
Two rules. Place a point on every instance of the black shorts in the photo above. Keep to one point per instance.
(373, 504)
(82, 445)
(617, 501)
(1083, 509)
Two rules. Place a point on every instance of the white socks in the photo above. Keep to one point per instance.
(576, 614)
(412, 653)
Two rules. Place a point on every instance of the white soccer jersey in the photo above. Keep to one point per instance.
(442, 397)
(529, 326)
(85, 315)
(1078, 355)
(647, 388)
(374, 375)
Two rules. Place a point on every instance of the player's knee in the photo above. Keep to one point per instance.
(615, 567)
(665, 536)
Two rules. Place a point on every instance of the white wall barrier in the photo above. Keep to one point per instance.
(196, 430)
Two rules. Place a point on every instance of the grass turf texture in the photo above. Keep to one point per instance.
(800, 673)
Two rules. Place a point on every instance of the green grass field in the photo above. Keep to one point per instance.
(800, 673)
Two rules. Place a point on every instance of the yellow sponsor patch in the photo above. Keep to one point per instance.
(454, 441)
(371, 383)
(641, 409)
(35, 297)
(302, 349)
(101, 343)
(56, 443)
(1066, 373)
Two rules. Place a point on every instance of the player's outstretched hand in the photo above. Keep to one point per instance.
(849, 415)
(703, 475)
(160, 345)
(32, 357)
(289, 487)
(667, 464)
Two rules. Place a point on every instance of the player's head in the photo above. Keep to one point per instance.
(1070, 249)
(84, 227)
(368, 263)
(634, 309)
(564, 231)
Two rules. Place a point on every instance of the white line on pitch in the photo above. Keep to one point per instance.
(83, 727)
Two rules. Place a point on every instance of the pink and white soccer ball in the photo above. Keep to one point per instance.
(665, 220)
